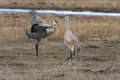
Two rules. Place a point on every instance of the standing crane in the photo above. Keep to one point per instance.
(70, 40)
(40, 29)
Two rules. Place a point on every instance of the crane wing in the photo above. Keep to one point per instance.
(44, 25)
(38, 24)
(71, 38)
(39, 27)
(30, 35)
(37, 20)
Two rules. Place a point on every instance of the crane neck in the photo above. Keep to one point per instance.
(54, 26)
(68, 24)
(52, 30)
(35, 15)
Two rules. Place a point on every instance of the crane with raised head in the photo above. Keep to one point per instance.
(70, 40)
(40, 29)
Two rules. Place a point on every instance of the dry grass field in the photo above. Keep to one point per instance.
(13, 27)
(98, 59)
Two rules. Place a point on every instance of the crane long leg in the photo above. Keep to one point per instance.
(73, 53)
(36, 46)
(71, 57)
(36, 50)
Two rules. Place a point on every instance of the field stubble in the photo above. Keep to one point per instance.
(96, 60)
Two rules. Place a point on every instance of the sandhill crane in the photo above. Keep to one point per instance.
(40, 29)
(70, 40)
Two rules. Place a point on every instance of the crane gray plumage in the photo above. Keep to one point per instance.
(40, 29)
(70, 40)
(36, 19)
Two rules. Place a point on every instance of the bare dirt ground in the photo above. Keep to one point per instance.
(97, 60)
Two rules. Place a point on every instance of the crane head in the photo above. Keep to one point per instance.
(55, 22)
(67, 17)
